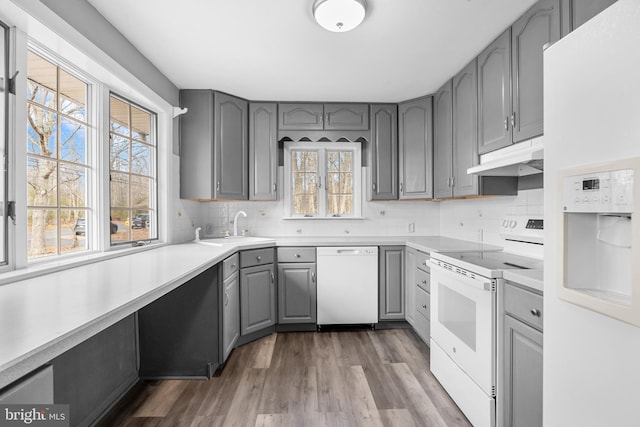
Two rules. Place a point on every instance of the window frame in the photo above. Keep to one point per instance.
(322, 148)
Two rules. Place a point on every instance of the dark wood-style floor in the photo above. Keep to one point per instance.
(346, 378)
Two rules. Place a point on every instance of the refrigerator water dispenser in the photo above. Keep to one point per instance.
(599, 239)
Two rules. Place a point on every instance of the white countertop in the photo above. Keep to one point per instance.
(533, 278)
(42, 317)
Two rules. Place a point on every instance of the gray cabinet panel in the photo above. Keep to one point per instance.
(494, 95)
(391, 283)
(346, 117)
(263, 151)
(465, 131)
(443, 142)
(179, 332)
(231, 147)
(300, 116)
(257, 298)
(384, 151)
(415, 129)
(93, 375)
(230, 314)
(297, 292)
(196, 145)
(296, 254)
(577, 12)
(410, 286)
(522, 390)
(539, 26)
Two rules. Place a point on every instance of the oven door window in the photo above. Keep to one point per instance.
(457, 313)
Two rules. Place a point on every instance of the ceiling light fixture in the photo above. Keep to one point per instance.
(339, 15)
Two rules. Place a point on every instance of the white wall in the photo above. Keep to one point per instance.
(592, 115)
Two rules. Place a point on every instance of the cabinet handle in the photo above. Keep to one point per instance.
(226, 298)
(313, 277)
(424, 306)
(424, 262)
(275, 187)
(259, 258)
(535, 312)
(401, 187)
(296, 255)
(424, 281)
(218, 186)
(273, 278)
(453, 181)
(513, 120)
(374, 187)
(506, 123)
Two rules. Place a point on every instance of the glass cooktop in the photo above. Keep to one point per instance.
(490, 264)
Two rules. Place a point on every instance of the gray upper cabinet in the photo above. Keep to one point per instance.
(494, 95)
(213, 146)
(415, 142)
(539, 26)
(263, 151)
(298, 116)
(297, 292)
(465, 120)
(391, 283)
(577, 12)
(384, 152)
(443, 142)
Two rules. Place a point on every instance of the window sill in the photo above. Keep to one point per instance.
(330, 218)
(52, 266)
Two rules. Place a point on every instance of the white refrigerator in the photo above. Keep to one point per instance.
(592, 115)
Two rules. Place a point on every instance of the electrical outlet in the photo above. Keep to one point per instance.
(412, 227)
(208, 229)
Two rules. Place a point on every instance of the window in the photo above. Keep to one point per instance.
(323, 180)
(132, 172)
(58, 160)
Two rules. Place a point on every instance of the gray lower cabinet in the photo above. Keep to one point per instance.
(494, 95)
(422, 288)
(297, 292)
(384, 152)
(263, 150)
(391, 283)
(214, 146)
(230, 313)
(538, 26)
(257, 290)
(520, 361)
(415, 145)
(577, 12)
(179, 332)
(410, 288)
(96, 373)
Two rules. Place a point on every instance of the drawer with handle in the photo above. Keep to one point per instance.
(523, 305)
(256, 257)
(422, 261)
(423, 280)
(423, 303)
(297, 254)
(230, 266)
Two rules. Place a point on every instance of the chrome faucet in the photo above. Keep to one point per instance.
(197, 232)
(235, 222)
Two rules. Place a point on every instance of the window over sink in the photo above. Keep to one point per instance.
(322, 180)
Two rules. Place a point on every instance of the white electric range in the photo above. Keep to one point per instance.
(464, 318)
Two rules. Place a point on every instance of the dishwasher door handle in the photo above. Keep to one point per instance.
(348, 251)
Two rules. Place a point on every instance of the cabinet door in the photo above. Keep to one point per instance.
(522, 373)
(346, 116)
(494, 95)
(465, 131)
(196, 145)
(300, 116)
(539, 26)
(577, 12)
(231, 147)
(230, 314)
(391, 283)
(263, 151)
(442, 142)
(384, 151)
(297, 292)
(257, 298)
(416, 148)
(410, 286)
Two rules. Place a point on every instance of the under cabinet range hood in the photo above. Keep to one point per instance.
(524, 158)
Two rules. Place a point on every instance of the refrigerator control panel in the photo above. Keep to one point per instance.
(610, 191)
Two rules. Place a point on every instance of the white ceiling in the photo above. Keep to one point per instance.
(274, 50)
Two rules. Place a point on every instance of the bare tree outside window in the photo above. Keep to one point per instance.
(132, 164)
(57, 161)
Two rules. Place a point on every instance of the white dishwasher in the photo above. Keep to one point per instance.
(347, 285)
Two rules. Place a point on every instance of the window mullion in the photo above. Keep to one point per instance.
(322, 171)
